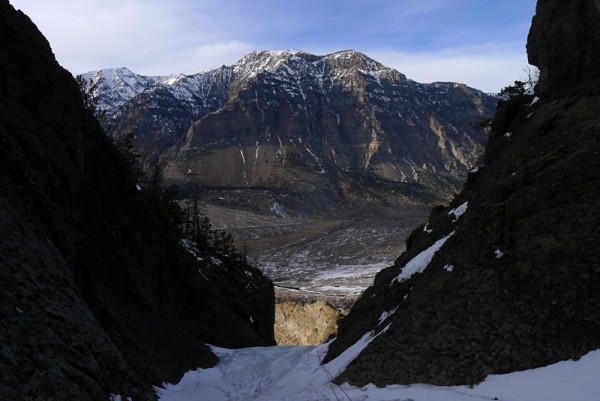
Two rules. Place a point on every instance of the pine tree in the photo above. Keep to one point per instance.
(204, 231)
(174, 212)
(88, 91)
(156, 177)
(518, 88)
(131, 156)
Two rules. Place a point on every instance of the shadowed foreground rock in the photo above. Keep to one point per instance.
(516, 285)
(566, 49)
(96, 295)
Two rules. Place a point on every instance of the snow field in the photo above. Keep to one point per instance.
(295, 374)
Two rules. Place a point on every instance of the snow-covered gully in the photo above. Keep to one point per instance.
(295, 374)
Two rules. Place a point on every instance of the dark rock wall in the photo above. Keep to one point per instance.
(517, 284)
(96, 295)
(563, 42)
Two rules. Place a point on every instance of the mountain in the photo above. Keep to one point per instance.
(506, 278)
(97, 294)
(292, 120)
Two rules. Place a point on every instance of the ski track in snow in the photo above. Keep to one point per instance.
(295, 374)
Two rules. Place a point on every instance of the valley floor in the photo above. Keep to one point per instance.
(317, 258)
(295, 374)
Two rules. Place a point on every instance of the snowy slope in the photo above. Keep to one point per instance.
(295, 374)
(117, 86)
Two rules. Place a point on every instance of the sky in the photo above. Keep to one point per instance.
(477, 42)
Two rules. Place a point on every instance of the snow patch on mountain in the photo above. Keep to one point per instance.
(459, 211)
(421, 261)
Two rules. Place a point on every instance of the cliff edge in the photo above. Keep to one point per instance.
(506, 277)
(97, 297)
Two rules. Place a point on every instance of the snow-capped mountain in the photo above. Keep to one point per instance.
(118, 86)
(276, 115)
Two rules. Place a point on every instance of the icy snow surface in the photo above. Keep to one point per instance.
(116, 397)
(386, 314)
(459, 211)
(278, 209)
(421, 261)
(191, 248)
(216, 261)
(294, 374)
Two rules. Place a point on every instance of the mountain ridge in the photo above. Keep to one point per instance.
(289, 118)
(249, 66)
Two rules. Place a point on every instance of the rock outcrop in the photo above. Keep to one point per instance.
(96, 294)
(507, 277)
(566, 50)
(311, 324)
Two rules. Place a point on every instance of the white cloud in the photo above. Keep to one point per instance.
(197, 59)
(147, 36)
(156, 37)
(487, 70)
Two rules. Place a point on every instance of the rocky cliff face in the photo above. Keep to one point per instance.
(566, 51)
(311, 324)
(96, 294)
(506, 278)
(293, 119)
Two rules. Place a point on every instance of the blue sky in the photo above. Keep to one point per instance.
(477, 42)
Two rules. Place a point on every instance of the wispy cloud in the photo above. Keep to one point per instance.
(168, 36)
(149, 36)
(200, 58)
(488, 67)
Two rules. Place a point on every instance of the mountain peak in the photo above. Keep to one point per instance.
(119, 85)
(276, 53)
(348, 54)
(292, 61)
(353, 60)
(259, 61)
